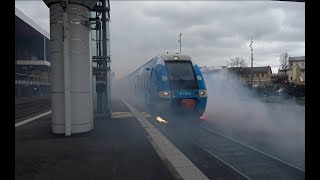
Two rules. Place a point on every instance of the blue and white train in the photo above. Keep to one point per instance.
(170, 83)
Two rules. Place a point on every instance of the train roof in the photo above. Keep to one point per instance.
(166, 57)
(172, 56)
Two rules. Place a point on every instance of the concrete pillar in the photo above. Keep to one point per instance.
(71, 76)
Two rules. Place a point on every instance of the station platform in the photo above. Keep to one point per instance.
(117, 148)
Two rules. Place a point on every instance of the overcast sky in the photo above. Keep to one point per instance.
(212, 31)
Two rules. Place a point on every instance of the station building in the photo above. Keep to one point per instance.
(32, 63)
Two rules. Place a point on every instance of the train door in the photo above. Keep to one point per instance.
(153, 85)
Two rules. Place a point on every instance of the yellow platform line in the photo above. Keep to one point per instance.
(117, 115)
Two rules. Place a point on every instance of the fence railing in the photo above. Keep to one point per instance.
(27, 79)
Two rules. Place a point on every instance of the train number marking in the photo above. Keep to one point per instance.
(184, 93)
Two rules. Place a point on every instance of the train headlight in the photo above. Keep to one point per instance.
(164, 94)
(203, 93)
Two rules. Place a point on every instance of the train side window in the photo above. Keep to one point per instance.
(147, 80)
(144, 80)
(139, 82)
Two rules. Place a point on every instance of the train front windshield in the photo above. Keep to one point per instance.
(181, 75)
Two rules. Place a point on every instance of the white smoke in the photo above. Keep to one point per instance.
(234, 110)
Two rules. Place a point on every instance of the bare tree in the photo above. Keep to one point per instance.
(284, 61)
(237, 62)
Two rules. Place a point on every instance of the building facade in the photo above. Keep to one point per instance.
(296, 69)
(32, 63)
(262, 76)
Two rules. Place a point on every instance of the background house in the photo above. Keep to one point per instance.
(296, 69)
(261, 75)
(299, 76)
(281, 71)
(242, 75)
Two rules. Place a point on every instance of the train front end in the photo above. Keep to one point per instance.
(187, 87)
(182, 87)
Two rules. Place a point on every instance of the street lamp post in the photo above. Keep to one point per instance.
(251, 62)
(180, 41)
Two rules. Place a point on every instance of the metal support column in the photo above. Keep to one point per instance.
(102, 70)
(105, 53)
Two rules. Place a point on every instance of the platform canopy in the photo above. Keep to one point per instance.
(31, 40)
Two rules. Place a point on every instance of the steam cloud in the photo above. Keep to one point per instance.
(279, 126)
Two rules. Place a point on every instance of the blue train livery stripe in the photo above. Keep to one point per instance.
(200, 79)
(161, 71)
(202, 104)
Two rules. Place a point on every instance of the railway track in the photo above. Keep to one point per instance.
(25, 100)
(221, 157)
(25, 109)
(249, 162)
(236, 158)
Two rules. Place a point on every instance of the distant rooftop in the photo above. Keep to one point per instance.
(297, 58)
(238, 70)
(209, 69)
(245, 70)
